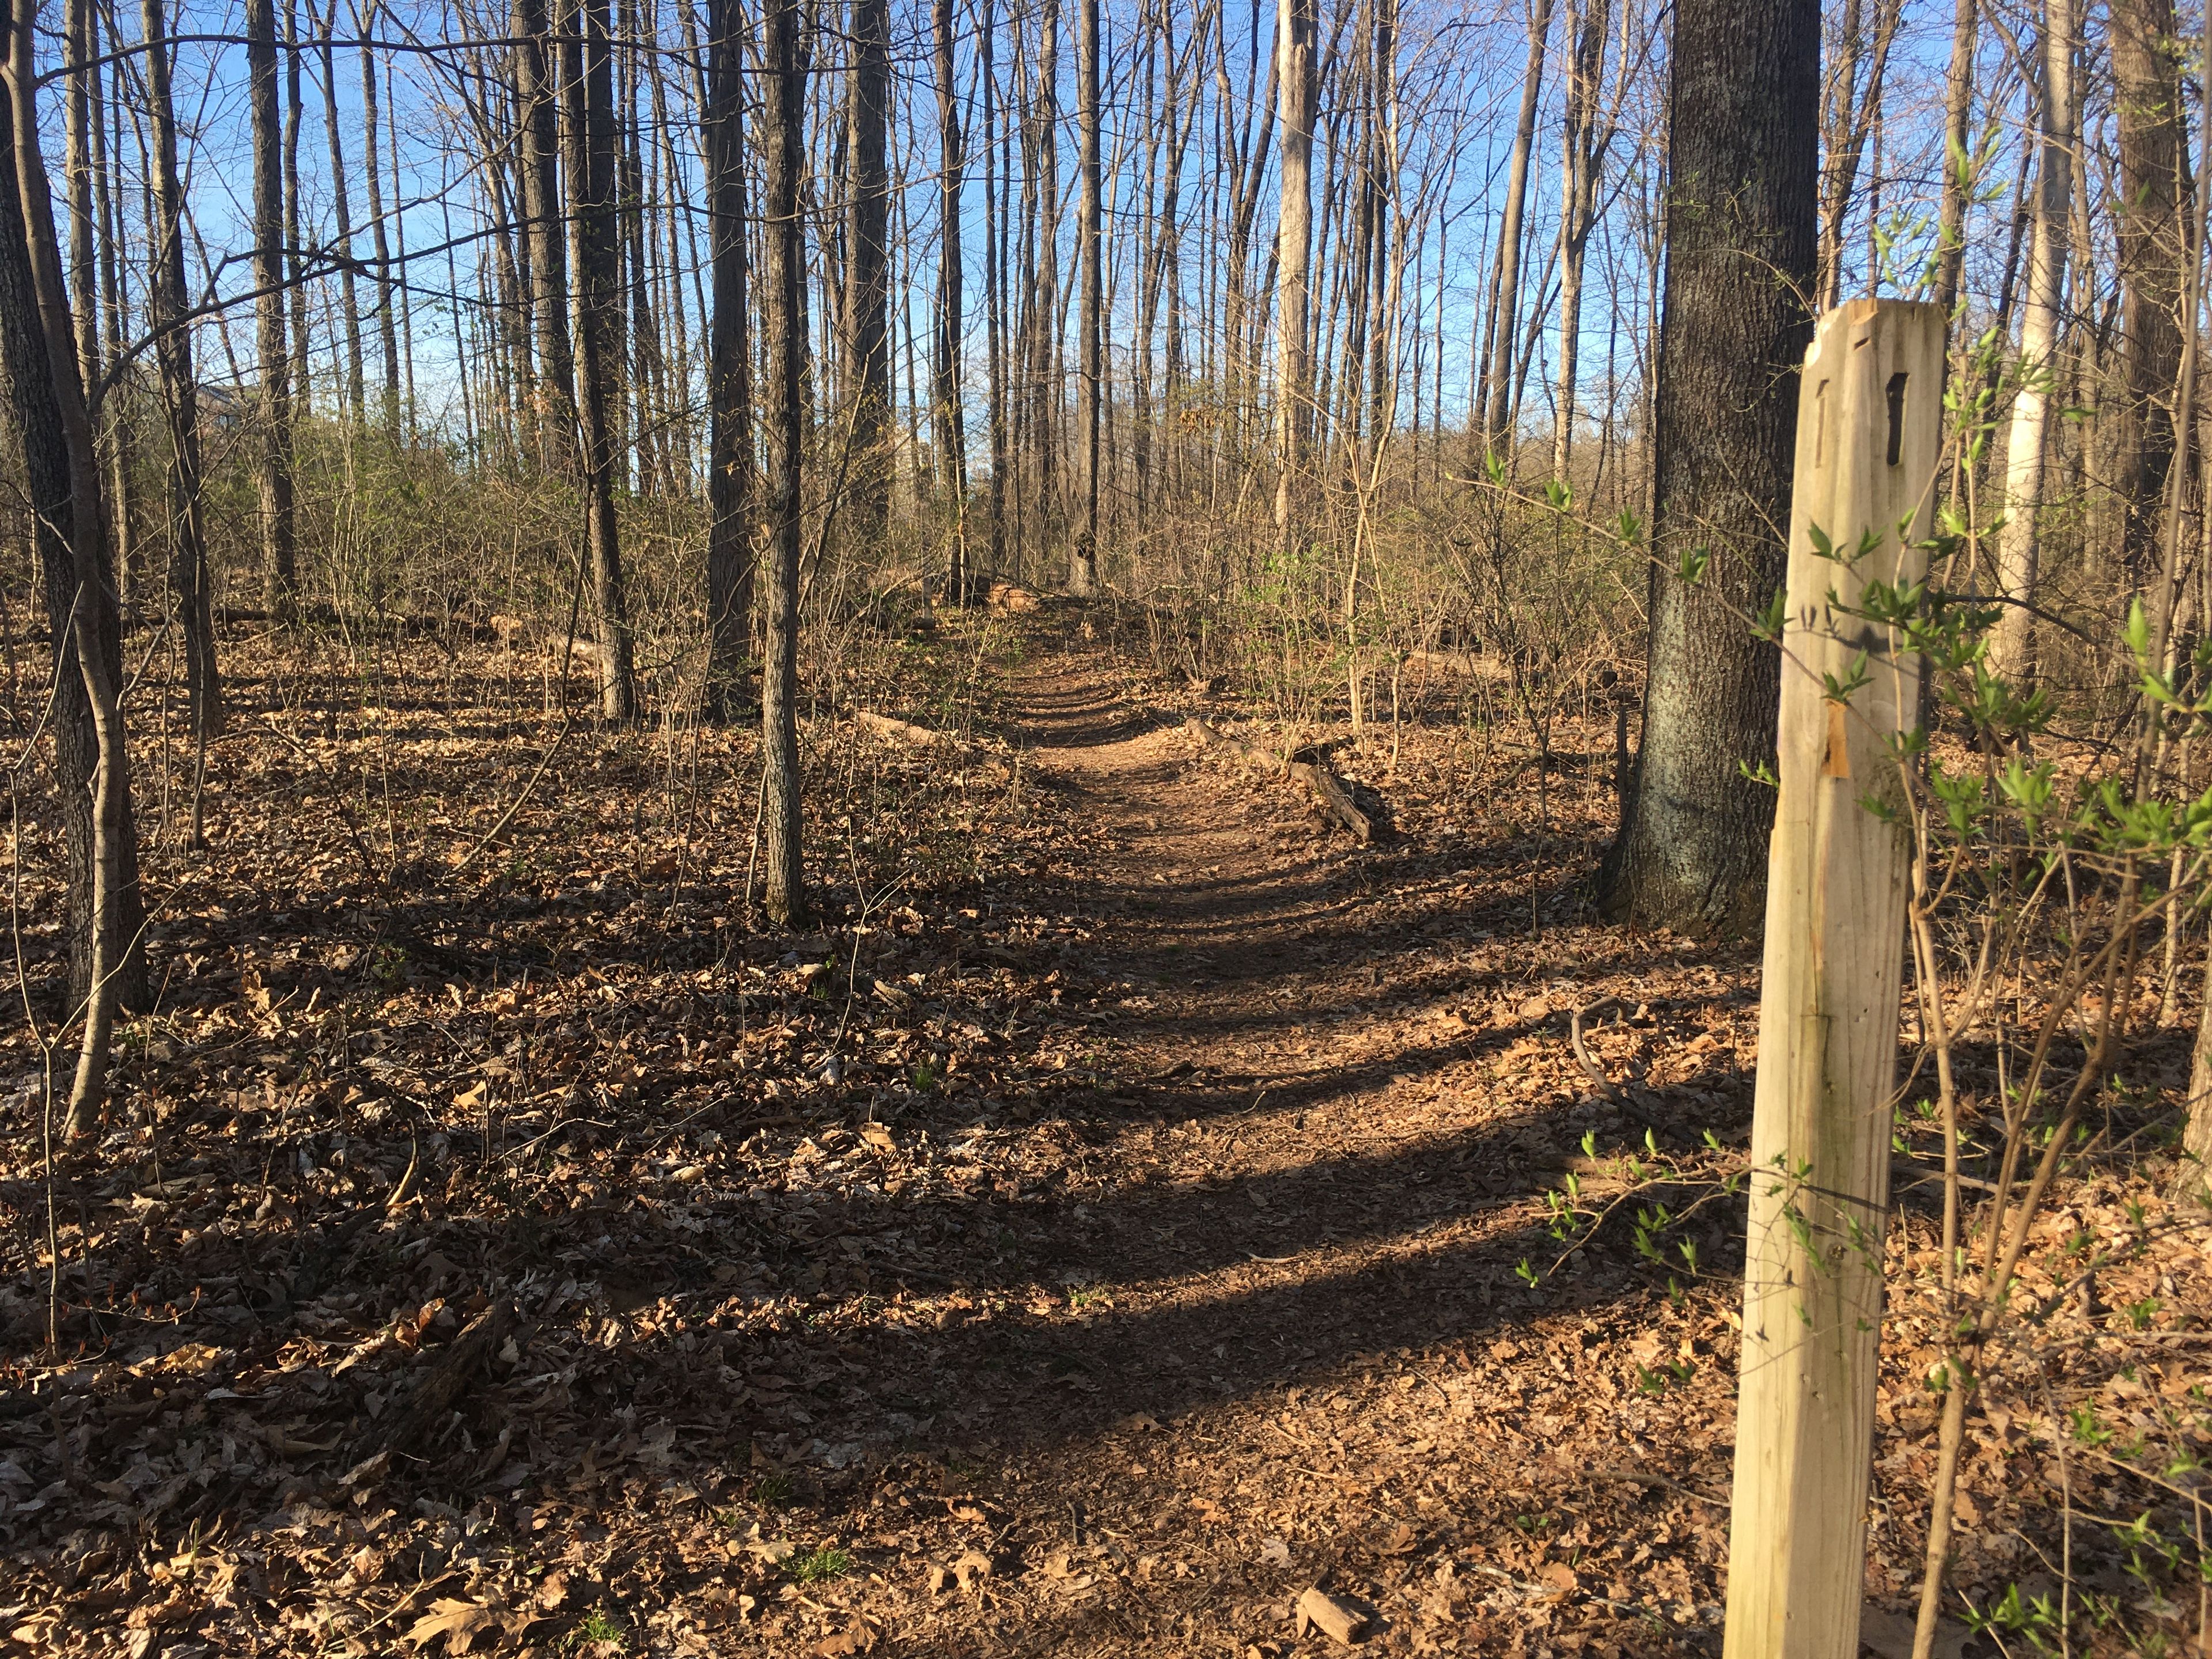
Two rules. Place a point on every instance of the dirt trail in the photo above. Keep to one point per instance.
(1290, 1306)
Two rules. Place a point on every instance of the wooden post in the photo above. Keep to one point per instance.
(1869, 431)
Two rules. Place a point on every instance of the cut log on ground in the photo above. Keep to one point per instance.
(1014, 601)
(1329, 791)
(1318, 1610)
(904, 732)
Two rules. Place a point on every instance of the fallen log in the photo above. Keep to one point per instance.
(1318, 1610)
(1011, 600)
(1329, 790)
(904, 731)
(456, 1368)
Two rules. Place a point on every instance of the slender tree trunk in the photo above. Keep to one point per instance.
(386, 323)
(2147, 100)
(1578, 212)
(349, 296)
(396, 288)
(545, 231)
(994, 284)
(1083, 564)
(588, 135)
(784, 424)
(1504, 331)
(1043, 300)
(868, 362)
(2011, 644)
(1298, 88)
(82, 30)
(1854, 114)
(46, 415)
(948, 429)
(274, 418)
(729, 371)
(294, 256)
(1740, 249)
(188, 567)
(110, 413)
(1958, 162)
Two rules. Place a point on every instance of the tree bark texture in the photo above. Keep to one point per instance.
(274, 418)
(1741, 234)
(49, 427)
(783, 418)
(729, 368)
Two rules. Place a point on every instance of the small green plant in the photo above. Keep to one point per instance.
(820, 1565)
(774, 1489)
(596, 1629)
(925, 1077)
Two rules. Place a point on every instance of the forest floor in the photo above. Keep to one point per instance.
(1133, 1207)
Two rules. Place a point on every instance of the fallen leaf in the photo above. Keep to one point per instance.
(458, 1622)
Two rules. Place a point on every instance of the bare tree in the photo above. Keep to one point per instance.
(729, 370)
(948, 424)
(868, 362)
(278, 572)
(1298, 88)
(191, 588)
(1083, 559)
(2041, 322)
(783, 413)
(48, 420)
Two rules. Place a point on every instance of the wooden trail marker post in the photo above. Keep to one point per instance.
(1869, 419)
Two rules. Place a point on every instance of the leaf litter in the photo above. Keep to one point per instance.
(1113, 1223)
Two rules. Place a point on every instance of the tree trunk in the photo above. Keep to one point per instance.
(784, 420)
(188, 567)
(2147, 99)
(47, 416)
(867, 292)
(341, 208)
(994, 286)
(1854, 111)
(2011, 643)
(544, 234)
(1741, 240)
(386, 323)
(109, 412)
(729, 371)
(82, 30)
(279, 576)
(1043, 298)
(1584, 154)
(1958, 159)
(948, 428)
(1083, 561)
(589, 135)
(1298, 87)
(294, 259)
(1505, 295)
